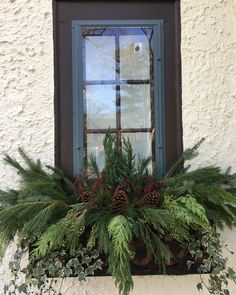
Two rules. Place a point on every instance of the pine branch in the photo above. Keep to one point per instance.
(35, 166)
(129, 158)
(93, 166)
(45, 217)
(142, 166)
(187, 155)
(153, 244)
(8, 198)
(99, 233)
(36, 180)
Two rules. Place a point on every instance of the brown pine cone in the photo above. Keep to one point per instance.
(150, 199)
(119, 201)
(85, 197)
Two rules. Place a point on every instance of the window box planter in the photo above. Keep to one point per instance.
(123, 219)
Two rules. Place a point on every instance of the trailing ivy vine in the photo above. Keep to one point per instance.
(41, 276)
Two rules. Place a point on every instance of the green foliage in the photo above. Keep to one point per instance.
(208, 250)
(43, 198)
(35, 180)
(187, 155)
(99, 236)
(190, 212)
(191, 203)
(67, 230)
(120, 232)
(42, 275)
(120, 163)
(210, 187)
(153, 243)
(29, 217)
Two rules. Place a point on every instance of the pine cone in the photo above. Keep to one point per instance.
(150, 199)
(119, 201)
(85, 197)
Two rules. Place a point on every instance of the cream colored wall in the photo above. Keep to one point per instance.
(209, 79)
(26, 81)
(209, 104)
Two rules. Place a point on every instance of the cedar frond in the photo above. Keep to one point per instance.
(66, 231)
(160, 219)
(120, 232)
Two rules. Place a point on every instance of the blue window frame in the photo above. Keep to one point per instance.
(117, 28)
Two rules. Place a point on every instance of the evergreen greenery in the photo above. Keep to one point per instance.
(184, 208)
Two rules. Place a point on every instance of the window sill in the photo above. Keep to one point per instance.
(148, 285)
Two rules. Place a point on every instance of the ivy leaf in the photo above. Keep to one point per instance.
(78, 270)
(86, 260)
(94, 254)
(89, 271)
(189, 264)
(23, 288)
(198, 254)
(199, 286)
(81, 277)
(98, 264)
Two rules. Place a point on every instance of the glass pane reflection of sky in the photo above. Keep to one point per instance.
(100, 58)
(101, 106)
(105, 67)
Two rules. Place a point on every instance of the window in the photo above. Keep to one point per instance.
(117, 81)
(120, 74)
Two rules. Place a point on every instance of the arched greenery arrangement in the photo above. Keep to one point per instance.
(103, 219)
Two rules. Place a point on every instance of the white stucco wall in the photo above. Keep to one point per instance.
(209, 104)
(26, 81)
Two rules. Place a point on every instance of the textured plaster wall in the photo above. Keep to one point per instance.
(209, 79)
(26, 81)
(209, 105)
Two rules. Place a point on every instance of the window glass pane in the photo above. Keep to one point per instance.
(100, 108)
(100, 57)
(135, 106)
(118, 87)
(134, 57)
(142, 144)
(95, 147)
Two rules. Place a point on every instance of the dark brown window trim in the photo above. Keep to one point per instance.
(63, 127)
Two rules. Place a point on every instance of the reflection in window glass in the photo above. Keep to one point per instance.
(134, 57)
(100, 57)
(95, 147)
(135, 106)
(142, 144)
(118, 87)
(100, 106)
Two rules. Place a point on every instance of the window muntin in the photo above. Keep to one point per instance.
(121, 88)
(118, 91)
